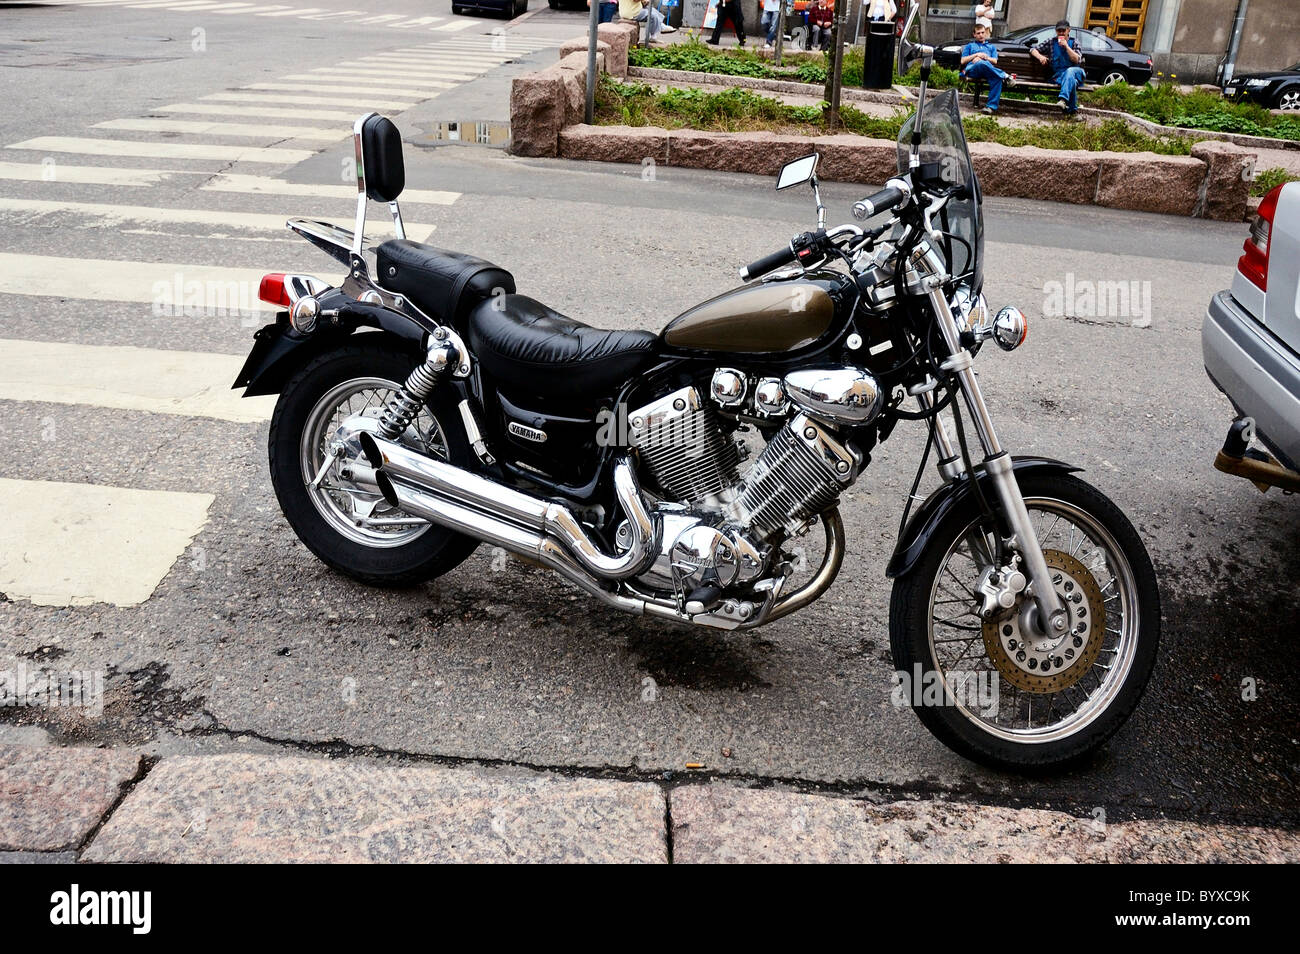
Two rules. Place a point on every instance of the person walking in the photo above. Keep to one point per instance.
(729, 8)
(770, 21)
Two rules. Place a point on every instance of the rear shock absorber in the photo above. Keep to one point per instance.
(403, 406)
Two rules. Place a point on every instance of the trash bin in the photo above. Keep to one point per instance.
(878, 63)
(608, 10)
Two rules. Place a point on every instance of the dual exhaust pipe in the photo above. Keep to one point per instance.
(540, 530)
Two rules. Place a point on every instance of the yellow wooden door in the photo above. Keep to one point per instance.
(1121, 20)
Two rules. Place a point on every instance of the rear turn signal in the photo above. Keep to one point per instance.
(1254, 263)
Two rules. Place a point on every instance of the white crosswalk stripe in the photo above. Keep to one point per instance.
(308, 100)
(65, 544)
(201, 127)
(161, 150)
(212, 223)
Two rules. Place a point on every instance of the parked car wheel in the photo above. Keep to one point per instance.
(1289, 98)
(1114, 76)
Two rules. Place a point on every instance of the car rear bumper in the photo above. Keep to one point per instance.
(1259, 375)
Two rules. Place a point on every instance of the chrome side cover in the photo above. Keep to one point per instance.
(835, 395)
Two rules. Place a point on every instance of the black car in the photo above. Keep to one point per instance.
(509, 8)
(1104, 60)
(1275, 89)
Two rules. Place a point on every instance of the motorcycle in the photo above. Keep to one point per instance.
(426, 407)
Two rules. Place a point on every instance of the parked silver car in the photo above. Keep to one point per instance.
(1251, 345)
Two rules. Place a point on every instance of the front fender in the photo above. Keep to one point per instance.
(279, 351)
(946, 500)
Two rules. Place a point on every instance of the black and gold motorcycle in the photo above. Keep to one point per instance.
(680, 475)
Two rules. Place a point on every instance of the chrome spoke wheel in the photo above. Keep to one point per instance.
(1042, 689)
(350, 504)
(1289, 100)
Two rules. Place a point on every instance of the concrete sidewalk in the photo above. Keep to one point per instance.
(99, 805)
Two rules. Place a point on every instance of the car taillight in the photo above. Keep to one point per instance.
(272, 290)
(1254, 263)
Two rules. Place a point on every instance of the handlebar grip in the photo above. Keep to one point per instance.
(884, 199)
(767, 263)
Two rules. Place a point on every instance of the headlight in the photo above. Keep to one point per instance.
(1257, 83)
(1010, 328)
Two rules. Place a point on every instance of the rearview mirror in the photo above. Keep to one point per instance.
(908, 51)
(796, 171)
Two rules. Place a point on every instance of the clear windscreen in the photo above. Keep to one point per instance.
(943, 143)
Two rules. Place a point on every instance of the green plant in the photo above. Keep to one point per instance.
(736, 109)
(1268, 180)
(1200, 109)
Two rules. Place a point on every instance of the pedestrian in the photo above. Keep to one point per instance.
(770, 21)
(819, 25)
(729, 8)
(1062, 57)
(882, 10)
(979, 61)
(640, 10)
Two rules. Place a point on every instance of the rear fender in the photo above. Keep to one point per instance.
(279, 351)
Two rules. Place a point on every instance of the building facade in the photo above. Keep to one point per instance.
(1188, 39)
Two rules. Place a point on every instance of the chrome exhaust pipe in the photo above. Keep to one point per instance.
(407, 469)
(519, 540)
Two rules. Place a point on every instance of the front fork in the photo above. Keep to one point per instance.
(997, 462)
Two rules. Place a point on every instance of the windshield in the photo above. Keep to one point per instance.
(943, 143)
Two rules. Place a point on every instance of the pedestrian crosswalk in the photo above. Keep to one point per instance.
(396, 21)
(191, 192)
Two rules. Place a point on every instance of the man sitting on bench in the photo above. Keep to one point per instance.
(979, 59)
(1062, 57)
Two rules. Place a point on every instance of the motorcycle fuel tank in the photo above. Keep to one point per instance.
(761, 318)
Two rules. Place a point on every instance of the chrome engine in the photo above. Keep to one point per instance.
(721, 528)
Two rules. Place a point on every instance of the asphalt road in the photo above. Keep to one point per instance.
(249, 643)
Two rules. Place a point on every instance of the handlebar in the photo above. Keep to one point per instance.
(878, 202)
(768, 263)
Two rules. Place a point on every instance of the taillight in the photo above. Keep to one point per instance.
(1254, 263)
(272, 290)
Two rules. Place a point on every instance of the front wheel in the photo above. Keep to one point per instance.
(995, 691)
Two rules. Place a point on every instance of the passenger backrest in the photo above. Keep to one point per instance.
(381, 168)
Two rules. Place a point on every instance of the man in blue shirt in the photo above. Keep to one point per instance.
(979, 61)
(1062, 58)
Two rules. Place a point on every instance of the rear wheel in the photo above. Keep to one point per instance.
(343, 519)
(1003, 695)
(1114, 76)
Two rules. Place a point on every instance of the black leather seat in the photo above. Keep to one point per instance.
(528, 347)
(442, 284)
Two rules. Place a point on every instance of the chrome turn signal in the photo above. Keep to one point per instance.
(1010, 328)
(303, 314)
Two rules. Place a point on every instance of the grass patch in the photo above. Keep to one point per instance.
(1268, 180)
(741, 110)
(1200, 109)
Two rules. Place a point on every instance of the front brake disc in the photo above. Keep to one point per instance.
(1043, 664)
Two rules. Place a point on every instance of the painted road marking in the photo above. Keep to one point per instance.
(192, 383)
(162, 150)
(201, 127)
(217, 223)
(64, 544)
(258, 185)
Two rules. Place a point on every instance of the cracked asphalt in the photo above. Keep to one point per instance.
(250, 644)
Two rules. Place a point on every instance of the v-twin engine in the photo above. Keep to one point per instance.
(720, 527)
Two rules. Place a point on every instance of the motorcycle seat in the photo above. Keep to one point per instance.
(441, 283)
(530, 347)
